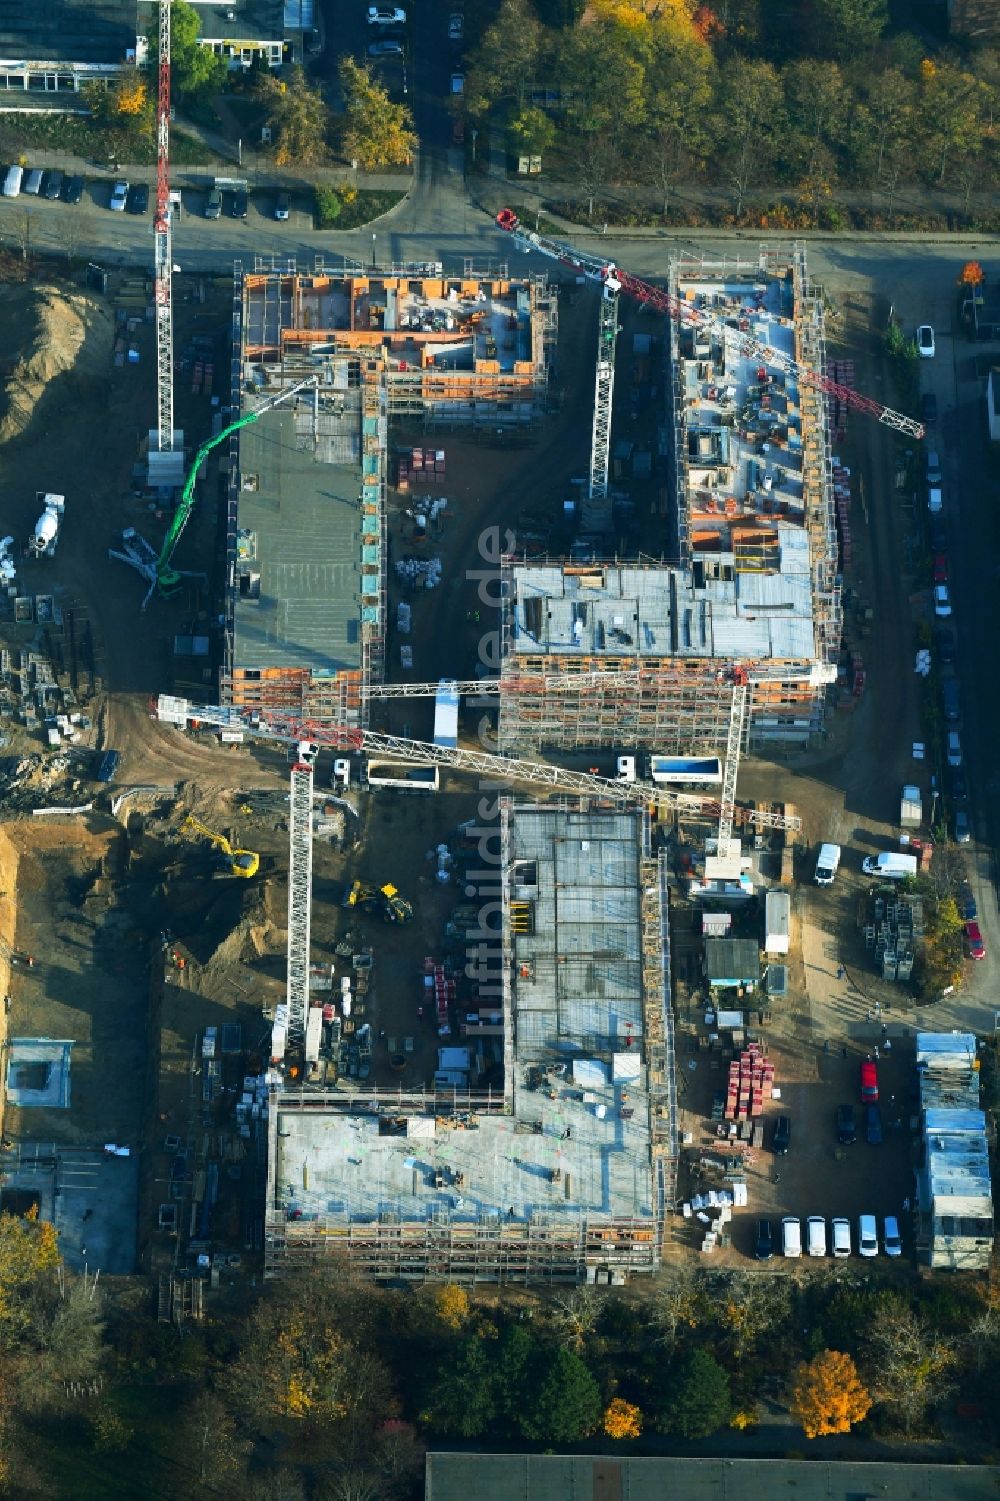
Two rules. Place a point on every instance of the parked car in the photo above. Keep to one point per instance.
(942, 601)
(816, 1235)
(791, 1236)
(869, 1082)
(386, 15)
(458, 85)
(240, 205)
(974, 945)
(867, 1235)
(954, 748)
(386, 49)
(282, 205)
(32, 182)
(959, 786)
(107, 766)
(963, 829)
(781, 1140)
(967, 903)
(932, 467)
(12, 180)
(138, 198)
(890, 1236)
(940, 568)
(72, 189)
(846, 1133)
(119, 197)
(840, 1234)
(763, 1240)
(938, 533)
(951, 698)
(458, 130)
(925, 342)
(456, 27)
(52, 186)
(945, 643)
(213, 204)
(873, 1125)
(929, 408)
(935, 500)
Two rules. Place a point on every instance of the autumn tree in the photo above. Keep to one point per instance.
(697, 1399)
(298, 117)
(827, 1395)
(680, 89)
(910, 1366)
(951, 117)
(622, 1419)
(847, 29)
(750, 124)
(376, 132)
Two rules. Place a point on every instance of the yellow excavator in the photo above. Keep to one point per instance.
(385, 899)
(245, 863)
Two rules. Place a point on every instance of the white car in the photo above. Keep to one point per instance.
(791, 1237)
(890, 1236)
(458, 84)
(816, 1235)
(119, 197)
(925, 342)
(867, 1235)
(386, 15)
(942, 601)
(841, 1229)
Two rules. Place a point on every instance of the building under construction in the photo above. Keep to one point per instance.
(756, 580)
(564, 1175)
(305, 604)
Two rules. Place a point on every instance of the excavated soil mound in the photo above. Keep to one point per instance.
(53, 344)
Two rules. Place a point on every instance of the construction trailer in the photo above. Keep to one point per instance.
(566, 1173)
(757, 575)
(954, 1215)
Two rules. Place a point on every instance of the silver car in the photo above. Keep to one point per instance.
(119, 197)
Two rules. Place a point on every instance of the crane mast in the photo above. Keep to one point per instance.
(685, 312)
(599, 514)
(300, 854)
(163, 256)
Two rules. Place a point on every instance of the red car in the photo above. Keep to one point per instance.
(869, 1083)
(974, 941)
(940, 568)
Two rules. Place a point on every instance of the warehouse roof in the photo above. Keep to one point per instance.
(732, 961)
(548, 1477)
(72, 31)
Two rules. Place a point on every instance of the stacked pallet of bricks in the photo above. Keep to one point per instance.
(842, 371)
(751, 1082)
(444, 991)
(842, 500)
(419, 466)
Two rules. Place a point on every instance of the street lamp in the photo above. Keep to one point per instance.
(374, 262)
(473, 133)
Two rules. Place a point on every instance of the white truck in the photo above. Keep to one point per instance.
(890, 866)
(827, 864)
(43, 539)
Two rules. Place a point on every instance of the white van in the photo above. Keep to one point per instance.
(890, 866)
(12, 181)
(816, 1235)
(841, 1229)
(827, 864)
(791, 1237)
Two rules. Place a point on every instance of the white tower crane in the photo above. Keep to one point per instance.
(166, 447)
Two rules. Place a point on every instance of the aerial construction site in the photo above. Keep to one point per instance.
(380, 878)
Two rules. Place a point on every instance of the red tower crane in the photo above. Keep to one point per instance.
(598, 269)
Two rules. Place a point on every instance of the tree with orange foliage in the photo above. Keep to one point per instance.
(622, 1419)
(828, 1396)
(132, 96)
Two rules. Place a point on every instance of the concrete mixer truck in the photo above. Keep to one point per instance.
(43, 539)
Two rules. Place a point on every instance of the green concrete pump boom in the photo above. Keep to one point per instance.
(168, 580)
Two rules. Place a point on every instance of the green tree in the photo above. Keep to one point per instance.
(750, 124)
(506, 62)
(299, 118)
(460, 1400)
(562, 1401)
(910, 1367)
(530, 132)
(951, 117)
(680, 90)
(195, 71)
(513, 1358)
(697, 1399)
(376, 132)
(603, 66)
(847, 29)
